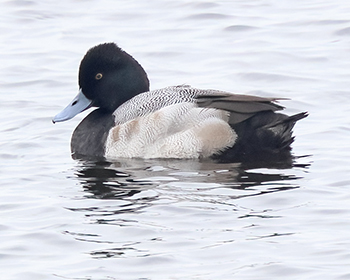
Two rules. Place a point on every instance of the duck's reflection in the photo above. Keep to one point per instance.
(125, 178)
(135, 186)
(102, 182)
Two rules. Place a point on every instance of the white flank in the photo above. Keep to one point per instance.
(177, 131)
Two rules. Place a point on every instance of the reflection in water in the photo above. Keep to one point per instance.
(136, 185)
(122, 179)
(111, 253)
(103, 182)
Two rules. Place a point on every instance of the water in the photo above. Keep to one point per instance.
(142, 219)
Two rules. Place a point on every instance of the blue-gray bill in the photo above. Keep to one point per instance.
(79, 104)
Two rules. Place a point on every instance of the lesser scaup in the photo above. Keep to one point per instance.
(174, 122)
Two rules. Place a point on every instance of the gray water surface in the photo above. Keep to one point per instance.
(166, 219)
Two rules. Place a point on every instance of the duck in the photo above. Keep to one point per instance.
(175, 122)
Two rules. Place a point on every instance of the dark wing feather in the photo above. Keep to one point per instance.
(240, 106)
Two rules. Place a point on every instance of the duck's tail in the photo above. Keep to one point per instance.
(262, 133)
(268, 131)
(267, 136)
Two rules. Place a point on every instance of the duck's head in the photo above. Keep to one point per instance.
(108, 77)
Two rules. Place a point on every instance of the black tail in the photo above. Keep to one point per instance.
(266, 136)
(263, 135)
(274, 131)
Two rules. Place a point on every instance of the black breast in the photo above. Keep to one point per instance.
(89, 138)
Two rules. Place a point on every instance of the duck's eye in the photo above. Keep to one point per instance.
(98, 76)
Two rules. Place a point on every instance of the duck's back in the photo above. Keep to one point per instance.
(151, 101)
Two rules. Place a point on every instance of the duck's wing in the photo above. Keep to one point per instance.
(241, 107)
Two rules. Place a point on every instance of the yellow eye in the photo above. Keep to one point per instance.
(98, 76)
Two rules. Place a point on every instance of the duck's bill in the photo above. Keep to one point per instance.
(79, 104)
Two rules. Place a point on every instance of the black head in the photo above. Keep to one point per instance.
(109, 76)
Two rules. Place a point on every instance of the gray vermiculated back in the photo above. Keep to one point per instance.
(152, 101)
